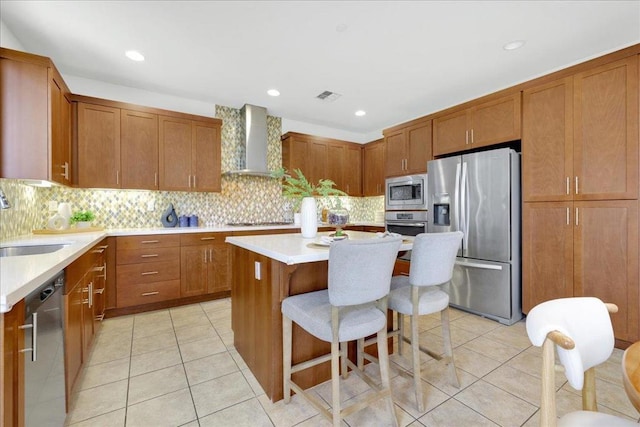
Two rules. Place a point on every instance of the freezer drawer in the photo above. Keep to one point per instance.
(485, 288)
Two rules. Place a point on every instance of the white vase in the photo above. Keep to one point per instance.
(83, 224)
(308, 218)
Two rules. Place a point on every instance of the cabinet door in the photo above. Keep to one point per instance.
(318, 166)
(352, 169)
(205, 158)
(72, 336)
(450, 133)
(547, 252)
(496, 121)
(60, 117)
(87, 315)
(193, 270)
(24, 87)
(12, 368)
(295, 152)
(175, 154)
(606, 259)
(395, 153)
(606, 131)
(547, 142)
(98, 146)
(139, 150)
(336, 163)
(418, 140)
(220, 269)
(373, 169)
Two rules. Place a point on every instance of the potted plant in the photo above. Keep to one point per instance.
(82, 219)
(302, 192)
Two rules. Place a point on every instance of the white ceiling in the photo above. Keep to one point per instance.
(397, 60)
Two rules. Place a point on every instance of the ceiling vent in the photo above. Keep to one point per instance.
(328, 96)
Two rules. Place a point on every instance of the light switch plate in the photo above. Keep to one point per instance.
(257, 273)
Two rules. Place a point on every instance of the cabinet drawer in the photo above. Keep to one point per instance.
(145, 293)
(147, 272)
(149, 241)
(146, 255)
(190, 239)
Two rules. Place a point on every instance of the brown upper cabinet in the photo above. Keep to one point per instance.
(373, 168)
(125, 146)
(491, 122)
(580, 136)
(407, 148)
(36, 119)
(98, 146)
(189, 154)
(324, 158)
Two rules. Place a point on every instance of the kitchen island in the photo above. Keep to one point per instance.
(266, 270)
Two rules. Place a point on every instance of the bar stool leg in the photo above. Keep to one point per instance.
(287, 325)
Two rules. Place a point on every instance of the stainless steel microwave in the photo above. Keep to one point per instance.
(406, 193)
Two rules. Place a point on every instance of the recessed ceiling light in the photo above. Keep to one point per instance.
(134, 55)
(273, 92)
(360, 113)
(516, 44)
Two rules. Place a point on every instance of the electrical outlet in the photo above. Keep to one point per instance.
(53, 205)
(151, 205)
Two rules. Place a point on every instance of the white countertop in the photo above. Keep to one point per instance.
(295, 249)
(20, 275)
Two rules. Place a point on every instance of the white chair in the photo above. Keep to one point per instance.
(354, 306)
(581, 332)
(432, 259)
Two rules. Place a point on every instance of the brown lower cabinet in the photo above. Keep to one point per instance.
(12, 368)
(84, 296)
(583, 248)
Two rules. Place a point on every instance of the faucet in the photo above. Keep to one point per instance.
(4, 203)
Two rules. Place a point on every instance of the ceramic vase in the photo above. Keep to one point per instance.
(308, 218)
(83, 224)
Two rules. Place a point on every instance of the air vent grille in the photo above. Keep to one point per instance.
(328, 96)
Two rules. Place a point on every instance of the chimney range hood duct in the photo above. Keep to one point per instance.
(251, 155)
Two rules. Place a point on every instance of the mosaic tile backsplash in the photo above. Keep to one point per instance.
(242, 199)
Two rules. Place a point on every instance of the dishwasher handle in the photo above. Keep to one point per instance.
(34, 335)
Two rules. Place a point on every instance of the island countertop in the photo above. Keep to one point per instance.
(293, 249)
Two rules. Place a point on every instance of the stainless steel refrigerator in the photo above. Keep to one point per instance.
(479, 194)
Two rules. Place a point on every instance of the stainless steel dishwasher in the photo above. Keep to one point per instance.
(44, 355)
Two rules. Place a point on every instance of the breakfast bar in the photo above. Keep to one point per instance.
(265, 270)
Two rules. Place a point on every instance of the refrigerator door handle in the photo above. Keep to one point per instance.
(478, 265)
(464, 208)
(456, 197)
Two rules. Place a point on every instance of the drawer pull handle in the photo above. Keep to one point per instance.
(148, 273)
(98, 268)
(144, 242)
(404, 274)
(207, 238)
(97, 251)
(147, 294)
(149, 255)
(100, 317)
(99, 291)
(103, 247)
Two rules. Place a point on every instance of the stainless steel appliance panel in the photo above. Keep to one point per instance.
(486, 210)
(444, 195)
(44, 363)
(406, 193)
(483, 287)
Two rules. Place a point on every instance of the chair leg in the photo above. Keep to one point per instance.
(335, 368)
(287, 325)
(589, 391)
(400, 319)
(448, 346)
(360, 352)
(383, 360)
(343, 360)
(415, 347)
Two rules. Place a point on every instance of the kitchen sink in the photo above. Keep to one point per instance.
(31, 250)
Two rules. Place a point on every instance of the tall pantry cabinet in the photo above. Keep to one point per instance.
(580, 190)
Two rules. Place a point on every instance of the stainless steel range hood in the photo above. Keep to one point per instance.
(251, 156)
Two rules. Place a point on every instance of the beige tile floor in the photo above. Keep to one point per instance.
(178, 367)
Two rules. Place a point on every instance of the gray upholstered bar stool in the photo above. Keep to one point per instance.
(432, 260)
(354, 306)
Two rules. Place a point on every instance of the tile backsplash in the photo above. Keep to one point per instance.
(242, 199)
